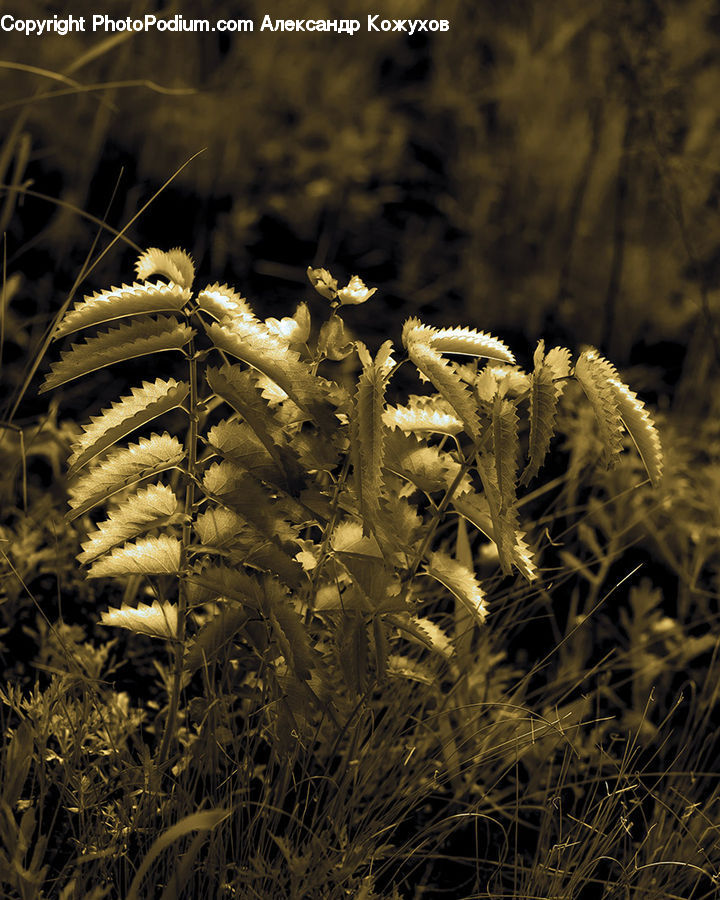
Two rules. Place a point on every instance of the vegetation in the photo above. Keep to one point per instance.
(289, 609)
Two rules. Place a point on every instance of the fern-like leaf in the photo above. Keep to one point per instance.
(468, 342)
(424, 415)
(460, 581)
(222, 302)
(254, 344)
(424, 632)
(151, 507)
(545, 392)
(502, 529)
(215, 636)
(140, 338)
(506, 450)
(424, 465)
(461, 341)
(158, 620)
(369, 430)
(597, 377)
(147, 556)
(174, 264)
(123, 468)
(246, 495)
(240, 390)
(237, 442)
(125, 416)
(641, 429)
(447, 382)
(119, 303)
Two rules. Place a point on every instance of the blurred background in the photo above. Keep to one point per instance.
(540, 169)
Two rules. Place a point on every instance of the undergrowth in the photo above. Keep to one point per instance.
(349, 585)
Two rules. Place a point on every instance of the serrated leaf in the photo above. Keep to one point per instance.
(119, 303)
(289, 631)
(641, 428)
(123, 468)
(369, 431)
(221, 301)
(463, 341)
(215, 636)
(239, 389)
(175, 264)
(467, 341)
(596, 375)
(460, 581)
(147, 556)
(424, 632)
(506, 450)
(546, 387)
(218, 527)
(353, 650)
(158, 620)
(237, 442)
(401, 666)
(140, 338)
(151, 507)
(503, 530)
(214, 582)
(247, 496)
(254, 344)
(125, 416)
(424, 415)
(424, 465)
(447, 382)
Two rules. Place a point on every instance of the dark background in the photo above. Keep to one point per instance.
(539, 169)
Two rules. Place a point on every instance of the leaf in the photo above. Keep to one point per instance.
(118, 303)
(239, 389)
(223, 530)
(425, 466)
(151, 507)
(123, 468)
(147, 556)
(158, 620)
(248, 497)
(545, 392)
(125, 416)
(221, 302)
(447, 382)
(236, 441)
(215, 636)
(369, 430)
(596, 376)
(353, 650)
(289, 631)
(254, 344)
(460, 581)
(218, 527)
(214, 582)
(140, 338)
(424, 415)
(174, 264)
(464, 341)
(472, 343)
(641, 428)
(424, 632)
(506, 450)
(503, 530)
(413, 670)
